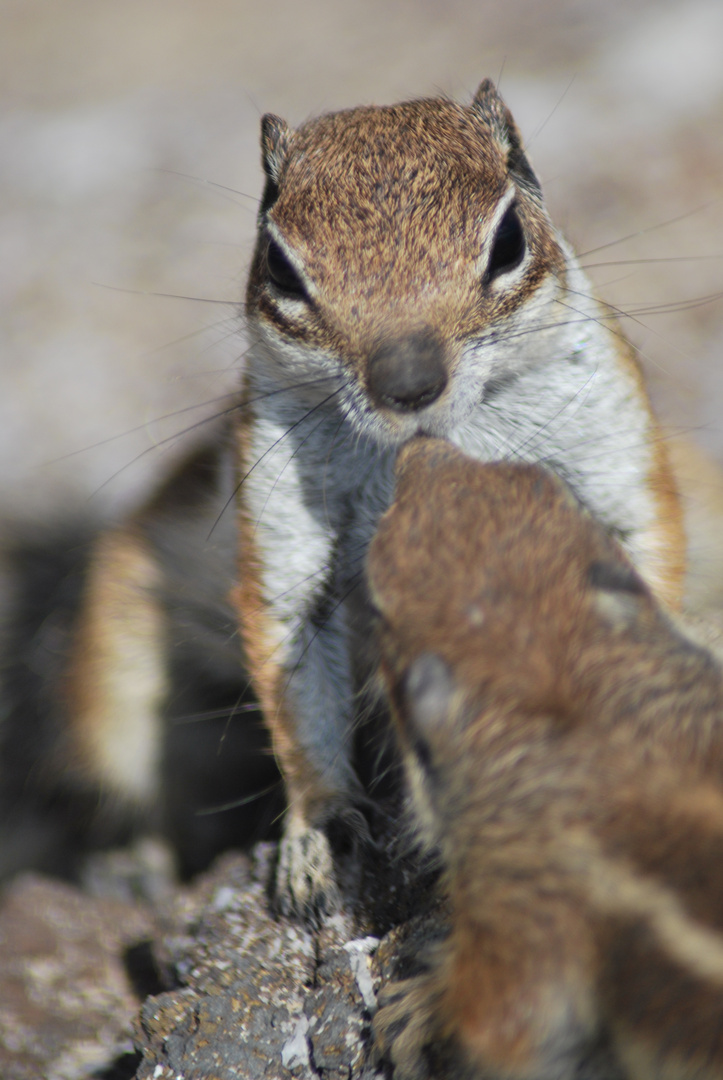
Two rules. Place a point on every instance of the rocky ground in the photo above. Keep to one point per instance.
(115, 980)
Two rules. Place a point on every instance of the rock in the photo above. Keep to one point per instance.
(67, 999)
(264, 998)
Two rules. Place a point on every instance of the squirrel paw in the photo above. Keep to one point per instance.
(305, 884)
(404, 1026)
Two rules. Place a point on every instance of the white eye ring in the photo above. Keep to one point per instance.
(509, 245)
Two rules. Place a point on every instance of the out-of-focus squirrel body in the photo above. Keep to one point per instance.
(563, 740)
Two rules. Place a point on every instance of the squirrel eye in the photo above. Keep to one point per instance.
(282, 274)
(509, 246)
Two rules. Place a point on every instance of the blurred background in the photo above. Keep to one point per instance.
(129, 178)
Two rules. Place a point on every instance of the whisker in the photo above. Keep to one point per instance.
(165, 442)
(596, 442)
(602, 319)
(295, 452)
(277, 442)
(674, 306)
(317, 574)
(633, 315)
(235, 407)
(196, 334)
(642, 232)
(608, 315)
(541, 127)
(165, 295)
(144, 427)
(214, 714)
(642, 262)
(234, 804)
(203, 182)
(538, 434)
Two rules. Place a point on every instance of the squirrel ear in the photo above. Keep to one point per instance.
(486, 97)
(488, 104)
(428, 692)
(275, 134)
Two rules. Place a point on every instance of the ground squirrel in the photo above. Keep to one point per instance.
(407, 279)
(563, 742)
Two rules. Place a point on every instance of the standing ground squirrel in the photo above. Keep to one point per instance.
(407, 279)
(563, 743)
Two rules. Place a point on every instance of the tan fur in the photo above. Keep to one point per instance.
(700, 483)
(570, 740)
(669, 544)
(117, 678)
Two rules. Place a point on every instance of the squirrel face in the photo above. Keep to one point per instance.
(399, 250)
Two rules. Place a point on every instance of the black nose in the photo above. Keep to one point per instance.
(405, 374)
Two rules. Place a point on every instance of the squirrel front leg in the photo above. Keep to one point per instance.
(299, 666)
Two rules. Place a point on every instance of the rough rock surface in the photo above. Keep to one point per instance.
(67, 999)
(200, 981)
(263, 998)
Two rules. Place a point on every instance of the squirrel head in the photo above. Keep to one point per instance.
(499, 570)
(498, 595)
(392, 239)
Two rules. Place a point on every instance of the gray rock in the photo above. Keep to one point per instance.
(66, 998)
(264, 998)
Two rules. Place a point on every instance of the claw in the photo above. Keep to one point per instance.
(305, 886)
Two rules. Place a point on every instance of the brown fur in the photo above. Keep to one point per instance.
(564, 744)
(350, 173)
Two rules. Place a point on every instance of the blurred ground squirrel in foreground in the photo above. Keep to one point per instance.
(563, 744)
